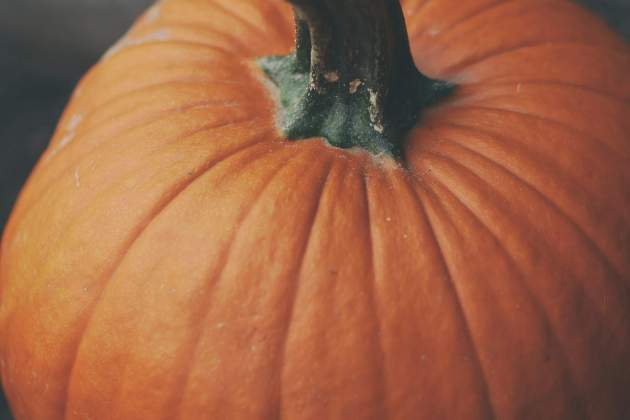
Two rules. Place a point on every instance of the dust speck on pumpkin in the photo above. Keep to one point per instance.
(388, 219)
(518, 88)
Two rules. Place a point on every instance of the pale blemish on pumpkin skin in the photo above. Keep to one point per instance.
(153, 14)
(77, 178)
(70, 133)
(160, 35)
(434, 31)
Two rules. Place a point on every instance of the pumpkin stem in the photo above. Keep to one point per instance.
(352, 79)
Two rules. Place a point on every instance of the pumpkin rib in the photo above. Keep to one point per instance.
(262, 33)
(616, 154)
(608, 330)
(196, 105)
(566, 367)
(173, 42)
(274, 13)
(189, 79)
(417, 9)
(155, 54)
(142, 227)
(216, 11)
(235, 42)
(293, 293)
(607, 266)
(213, 278)
(25, 204)
(593, 145)
(591, 243)
(502, 15)
(32, 208)
(88, 131)
(171, 74)
(68, 168)
(451, 285)
(608, 123)
(465, 64)
(535, 156)
(373, 303)
(114, 101)
(467, 17)
(480, 86)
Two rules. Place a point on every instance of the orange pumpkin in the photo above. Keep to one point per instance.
(174, 255)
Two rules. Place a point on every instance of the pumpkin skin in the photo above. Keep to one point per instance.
(172, 256)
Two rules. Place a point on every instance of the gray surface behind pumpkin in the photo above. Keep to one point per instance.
(46, 45)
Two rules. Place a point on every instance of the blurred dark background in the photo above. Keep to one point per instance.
(45, 47)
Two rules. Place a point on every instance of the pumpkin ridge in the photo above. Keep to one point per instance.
(262, 33)
(26, 206)
(585, 293)
(91, 130)
(214, 279)
(592, 142)
(533, 156)
(196, 105)
(473, 61)
(273, 12)
(562, 358)
(417, 9)
(596, 248)
(586, 136)
(173, 42)
(276, 11)
(158, 55)
(282, 352)
(158, 209)
(211, 11)
(373, 303)
(234, 42)
(485, 392)
(591, 243)
(463, 19)
(472, 88)
(31, 205)
(88, 126)
(115, 100)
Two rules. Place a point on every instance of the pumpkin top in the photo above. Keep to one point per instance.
(352, 79)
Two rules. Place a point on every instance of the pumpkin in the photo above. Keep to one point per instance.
(430, 223)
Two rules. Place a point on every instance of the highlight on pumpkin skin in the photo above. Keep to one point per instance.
(352, 82)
